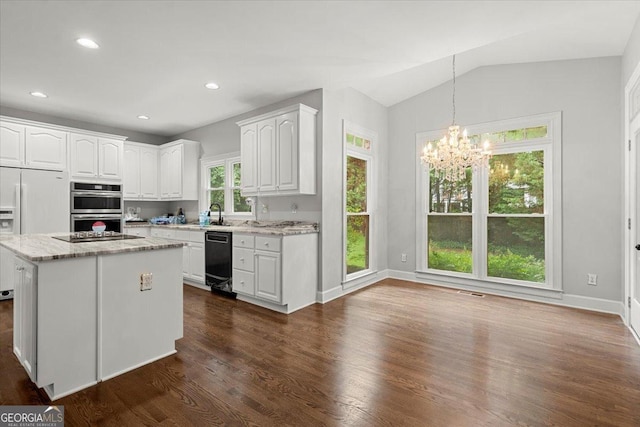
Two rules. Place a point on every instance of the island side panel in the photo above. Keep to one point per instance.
(137, 327)
(67, 325)
(299, 270)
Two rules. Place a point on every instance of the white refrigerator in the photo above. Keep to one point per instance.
(31, 201)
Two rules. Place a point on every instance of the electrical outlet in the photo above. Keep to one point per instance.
(403, 257)
(146, 280)
(592, 279)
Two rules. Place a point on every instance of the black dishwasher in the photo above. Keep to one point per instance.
(218, 255)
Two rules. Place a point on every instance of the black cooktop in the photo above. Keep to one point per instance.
(93, 236)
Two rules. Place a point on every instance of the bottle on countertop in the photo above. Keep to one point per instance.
(181, 217)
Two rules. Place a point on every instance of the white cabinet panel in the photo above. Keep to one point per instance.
(249, 164)
(110, 158)
(7, 269)
(267, 156)
(242, 258)
(45, 148)
(196, 261)
(84, 156)
(149, 172)
(11, 144)
(25, 316)
(264, 243)
(287, 152)
(267, 275)
(131, 172)
(243, 282)
(138, 231)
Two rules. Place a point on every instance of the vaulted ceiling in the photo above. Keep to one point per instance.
(155, 56)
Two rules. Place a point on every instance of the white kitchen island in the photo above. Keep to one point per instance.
(80, 316)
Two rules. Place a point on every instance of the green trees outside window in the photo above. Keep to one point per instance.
(357, 215)
(515, 220)
(224, 187)
(515, 225)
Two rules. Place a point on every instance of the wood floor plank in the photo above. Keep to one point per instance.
(394, 354)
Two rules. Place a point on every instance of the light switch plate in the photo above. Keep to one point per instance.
(146, 280)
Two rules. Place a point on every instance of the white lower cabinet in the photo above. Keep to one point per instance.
(280, 273)
(138, 231)
(268, 271)
(193, 262)
(25, 299)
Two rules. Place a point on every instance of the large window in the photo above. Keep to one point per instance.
(358, 201)
(221, 184)
(502, 223)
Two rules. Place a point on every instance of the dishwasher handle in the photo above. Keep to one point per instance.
(218, 237)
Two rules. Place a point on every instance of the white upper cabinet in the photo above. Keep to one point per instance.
(95, 158)
(140, 172)
(278, 152)
(45, 148)
(165, 172)
(179, 170)
(149, 172)
(131, 171)
(109, 158)
(32, 147)
(11, 144)
(249, 165)
(267, 156)
(84, 156)
(287, 126)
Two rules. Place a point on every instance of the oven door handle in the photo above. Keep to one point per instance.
(95, 194)
(96, 216)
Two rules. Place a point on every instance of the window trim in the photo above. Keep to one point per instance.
(552, 147)
(350, 280)
(226, 160)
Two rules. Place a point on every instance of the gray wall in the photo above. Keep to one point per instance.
(359, 109)
(588, 94)
(46, 118)
(631, 56)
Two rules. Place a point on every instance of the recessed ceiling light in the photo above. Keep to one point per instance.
(211, 85)
(88, 43)
(143, 117)
(39, 94)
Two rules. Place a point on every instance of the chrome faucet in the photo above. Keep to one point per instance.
(219, 222)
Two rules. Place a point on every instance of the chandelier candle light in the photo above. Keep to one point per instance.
(454, 153)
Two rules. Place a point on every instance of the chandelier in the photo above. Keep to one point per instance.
(454, 153)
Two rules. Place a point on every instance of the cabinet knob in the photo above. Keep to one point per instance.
(266, 243)
(241, 259)
(242, 282)
(242, 241)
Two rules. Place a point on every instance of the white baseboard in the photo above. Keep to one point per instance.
(566, 300)
(344, 289)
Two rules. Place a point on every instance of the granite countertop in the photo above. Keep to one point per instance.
(43, 247)
(278, 228)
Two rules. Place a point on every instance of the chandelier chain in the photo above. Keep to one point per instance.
(450, 157)
(453, 122)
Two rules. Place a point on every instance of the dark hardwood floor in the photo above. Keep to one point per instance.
(396, 353)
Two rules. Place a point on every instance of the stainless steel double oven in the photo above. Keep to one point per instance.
(92, 203)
